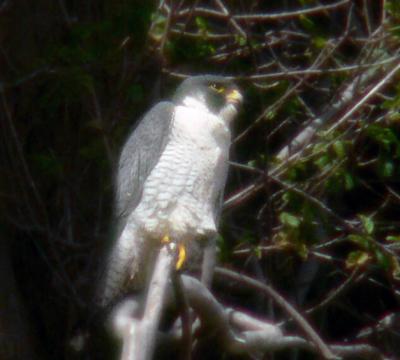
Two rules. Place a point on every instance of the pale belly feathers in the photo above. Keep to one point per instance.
(181, 193)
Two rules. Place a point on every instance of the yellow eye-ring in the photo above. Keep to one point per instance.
(218, 88)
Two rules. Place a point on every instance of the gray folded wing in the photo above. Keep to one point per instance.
(139, 156)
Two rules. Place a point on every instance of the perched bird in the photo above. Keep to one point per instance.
(171, 177)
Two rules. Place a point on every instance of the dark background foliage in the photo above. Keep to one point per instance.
(319, 222)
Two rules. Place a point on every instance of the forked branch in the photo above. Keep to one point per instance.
(237, 331)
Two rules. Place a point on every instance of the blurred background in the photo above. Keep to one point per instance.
(313, 195)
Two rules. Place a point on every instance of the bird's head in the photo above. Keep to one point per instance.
(217, 94)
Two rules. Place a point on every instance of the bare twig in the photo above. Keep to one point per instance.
(234, 23)
(292, 14)
(313, 72)
(340, 290)
(309, 331)
(305, 136)
(243, 194)
(201, 11)
(377, 87)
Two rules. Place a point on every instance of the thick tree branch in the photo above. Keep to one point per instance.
(238, 332)
(139, 335)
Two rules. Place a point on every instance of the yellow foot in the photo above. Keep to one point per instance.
(181, 256)
(181, 251)
(165, 240)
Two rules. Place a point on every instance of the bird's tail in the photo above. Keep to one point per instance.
(125, 267)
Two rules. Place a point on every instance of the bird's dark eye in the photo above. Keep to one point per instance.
(217, 87)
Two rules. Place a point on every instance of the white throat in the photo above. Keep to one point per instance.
(195, 103)
(228, 113)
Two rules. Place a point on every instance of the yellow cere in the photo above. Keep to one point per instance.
(234, 95)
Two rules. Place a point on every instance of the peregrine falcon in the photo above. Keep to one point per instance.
(171, 177)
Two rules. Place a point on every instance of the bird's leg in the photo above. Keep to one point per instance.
(181, 252)
(209, 260)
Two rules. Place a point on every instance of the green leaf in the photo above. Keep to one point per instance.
(348, 181)
(241, 40)
(357, 258)
(393, 238)
(322, 161)
(159, 22)
(395, 266)
(252, 163)
(362, 240)
(368, 224)
(258, 252)
(223, 249)
(387, 168)
(307, 23)
(270, 115)
(385, 136)
(201, 23)
(290, 220)
(382, 259)
(394, 117)
(319, 42)
(339, 148)
(302, 250)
